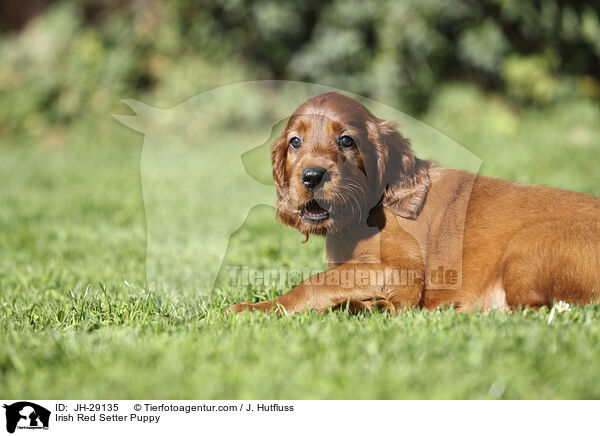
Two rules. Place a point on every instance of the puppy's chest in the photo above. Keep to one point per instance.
(352, 249)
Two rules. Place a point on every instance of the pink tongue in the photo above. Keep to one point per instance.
(314, 212)
(313, 207)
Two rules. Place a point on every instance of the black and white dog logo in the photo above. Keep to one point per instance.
(26, 415)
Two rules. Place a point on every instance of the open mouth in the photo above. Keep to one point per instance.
(313, 212)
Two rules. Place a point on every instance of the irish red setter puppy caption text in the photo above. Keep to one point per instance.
(404, 233)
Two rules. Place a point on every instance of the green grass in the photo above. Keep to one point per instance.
(77, 321)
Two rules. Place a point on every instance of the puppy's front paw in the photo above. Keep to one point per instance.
(239, 307)
(265, 306)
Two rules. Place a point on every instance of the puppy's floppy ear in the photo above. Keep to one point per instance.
(278, 159)
(404, 178)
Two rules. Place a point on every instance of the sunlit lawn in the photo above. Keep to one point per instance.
(76, 319)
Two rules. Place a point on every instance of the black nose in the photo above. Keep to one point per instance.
(312, 176)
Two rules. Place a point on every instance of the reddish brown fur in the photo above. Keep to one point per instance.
(531, 245)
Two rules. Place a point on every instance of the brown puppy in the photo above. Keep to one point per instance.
(402, 233)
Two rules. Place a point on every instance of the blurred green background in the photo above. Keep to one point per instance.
(516, 83)
(61, 62)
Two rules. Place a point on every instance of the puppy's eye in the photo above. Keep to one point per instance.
(346, 141)
(295, 142)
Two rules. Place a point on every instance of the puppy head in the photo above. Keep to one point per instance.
(335, 161)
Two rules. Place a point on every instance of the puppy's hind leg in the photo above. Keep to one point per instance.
(552, 261)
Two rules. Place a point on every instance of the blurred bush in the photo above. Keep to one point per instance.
(77, 59)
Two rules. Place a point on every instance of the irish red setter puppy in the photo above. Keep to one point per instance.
(402, 233)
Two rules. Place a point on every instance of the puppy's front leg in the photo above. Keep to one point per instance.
(360, 286)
